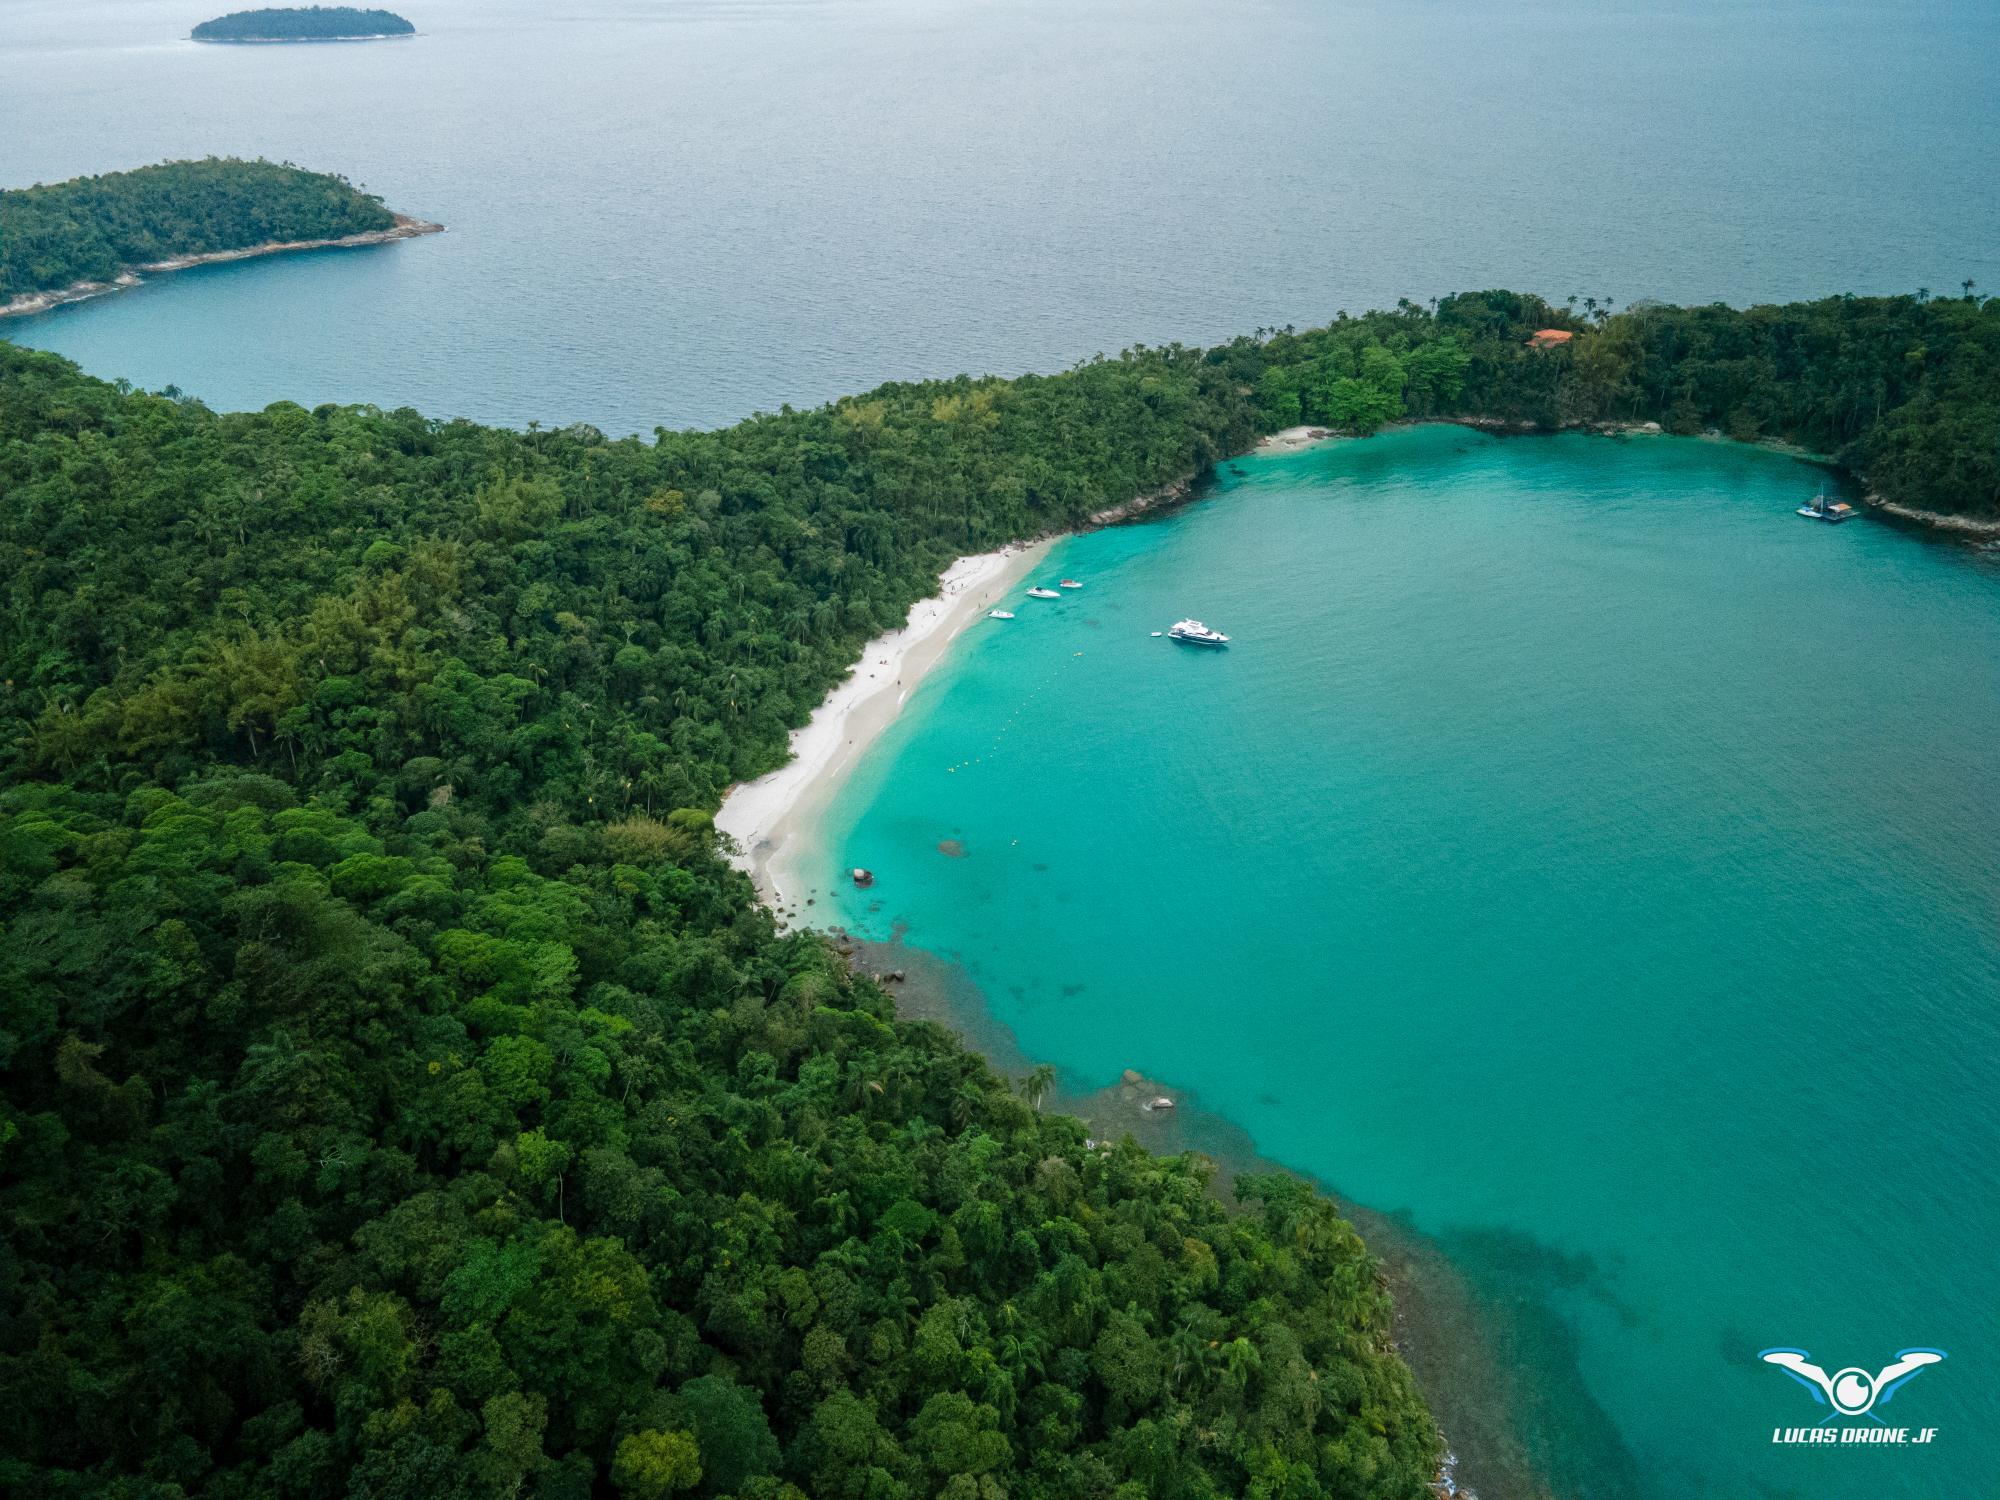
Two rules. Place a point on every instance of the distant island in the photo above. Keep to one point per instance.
(316, 23)
(71, 240)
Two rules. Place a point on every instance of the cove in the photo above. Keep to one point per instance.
(1576, 856)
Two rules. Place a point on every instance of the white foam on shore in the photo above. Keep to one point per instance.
(1293, 438)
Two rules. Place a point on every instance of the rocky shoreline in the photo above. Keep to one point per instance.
(1970, 528)
(404, 228)
(1457, 1343)
(294, 41)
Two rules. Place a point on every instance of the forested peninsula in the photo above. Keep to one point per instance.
(313, 23)
(404, 1096)
(69, 240)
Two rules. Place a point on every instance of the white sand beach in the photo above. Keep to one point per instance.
(771, 818)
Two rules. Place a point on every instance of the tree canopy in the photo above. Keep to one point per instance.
(310, 23)
(94, 228)
(404, 1096)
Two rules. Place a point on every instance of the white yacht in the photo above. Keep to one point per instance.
(1069, 583)
(999, 614)
(1041, 593)
(1197, 634)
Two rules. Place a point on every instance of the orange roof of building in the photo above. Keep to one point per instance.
(1545, 337)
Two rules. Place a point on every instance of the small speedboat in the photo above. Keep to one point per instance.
(999, 614)
(1070, 583)
(1197, 634)
(1042, 593)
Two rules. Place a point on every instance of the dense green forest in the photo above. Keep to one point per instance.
(312, 23)
(403, 1096)
(1903, 391)
(92, 228)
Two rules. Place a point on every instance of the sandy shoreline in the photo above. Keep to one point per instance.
(404, 228)
(771, 818)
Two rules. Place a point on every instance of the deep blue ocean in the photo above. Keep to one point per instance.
(1578, 855)
(677, 212)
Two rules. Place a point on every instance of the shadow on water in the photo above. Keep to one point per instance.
(1476, 1309)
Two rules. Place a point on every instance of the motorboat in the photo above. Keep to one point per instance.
(1823, 507)
(1042, 593)
(1069, 583)
(999, 614)
(1197, 634)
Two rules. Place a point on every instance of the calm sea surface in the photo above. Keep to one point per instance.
(1578, 852)
(1575, 850)
(680, 211)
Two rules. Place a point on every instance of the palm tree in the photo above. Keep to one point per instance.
(1020, 1357)
(1240, 1360)
(1035, 1087)
(965, 1105)
(1192, 1355)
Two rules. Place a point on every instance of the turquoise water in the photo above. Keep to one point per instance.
(1577, 851)
(680, 211)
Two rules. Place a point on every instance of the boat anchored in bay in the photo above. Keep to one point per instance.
(1823, 507)
(1042, 593)
(1197, 634)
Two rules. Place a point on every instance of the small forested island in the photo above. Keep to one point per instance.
(314, 23)
(75, 239)
(403, 1094)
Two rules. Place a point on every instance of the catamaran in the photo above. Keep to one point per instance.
(1197, 634)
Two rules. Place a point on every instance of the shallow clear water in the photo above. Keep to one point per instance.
(1579, 851)
(679, 211)
(1576, 850)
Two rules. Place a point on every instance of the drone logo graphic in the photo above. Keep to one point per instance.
(1852, 1392)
